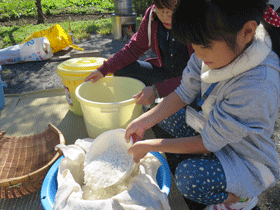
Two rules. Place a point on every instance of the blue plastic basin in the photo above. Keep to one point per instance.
(49, 187)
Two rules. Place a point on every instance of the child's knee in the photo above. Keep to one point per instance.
(199, 180)
(187, 179)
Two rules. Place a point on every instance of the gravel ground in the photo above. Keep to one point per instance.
(42, 75)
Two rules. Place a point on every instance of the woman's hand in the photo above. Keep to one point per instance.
(170, 105)
(139, 150)
(94, 76)
(145, 96)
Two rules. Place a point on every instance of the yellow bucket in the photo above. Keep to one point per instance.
(108, 104)
(73, 72)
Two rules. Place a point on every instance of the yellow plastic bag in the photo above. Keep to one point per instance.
(57, 37)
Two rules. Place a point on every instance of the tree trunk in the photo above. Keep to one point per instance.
(40, 12)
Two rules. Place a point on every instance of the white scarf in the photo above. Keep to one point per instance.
(252, 57)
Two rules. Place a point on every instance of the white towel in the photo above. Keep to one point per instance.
(143, 192)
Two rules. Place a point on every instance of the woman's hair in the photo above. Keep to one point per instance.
(203, 21)
(169, 4)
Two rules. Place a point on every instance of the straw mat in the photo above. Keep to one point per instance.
(31, 112)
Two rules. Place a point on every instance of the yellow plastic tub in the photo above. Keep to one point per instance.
(73, 72)
(108, 104)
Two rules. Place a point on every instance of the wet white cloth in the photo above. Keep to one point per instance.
(143, 192)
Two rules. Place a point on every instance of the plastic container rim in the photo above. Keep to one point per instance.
(92, 103)
(79, 71)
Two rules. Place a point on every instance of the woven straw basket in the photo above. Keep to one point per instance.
(24, 161)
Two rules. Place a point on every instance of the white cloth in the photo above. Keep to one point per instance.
(143, 192)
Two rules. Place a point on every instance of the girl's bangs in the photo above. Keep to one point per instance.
(161, 4)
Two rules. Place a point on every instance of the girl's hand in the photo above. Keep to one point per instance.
(145, 96)
(136, 129)
(139, 150)
(94, 76)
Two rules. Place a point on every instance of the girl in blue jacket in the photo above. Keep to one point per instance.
(235, 71)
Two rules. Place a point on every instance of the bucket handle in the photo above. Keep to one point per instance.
(109, 110)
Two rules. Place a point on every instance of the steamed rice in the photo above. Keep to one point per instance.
(105, 170)
(106, 193)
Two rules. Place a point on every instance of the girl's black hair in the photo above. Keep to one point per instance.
(203, 21)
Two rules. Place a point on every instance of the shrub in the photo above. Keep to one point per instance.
(140, 6)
